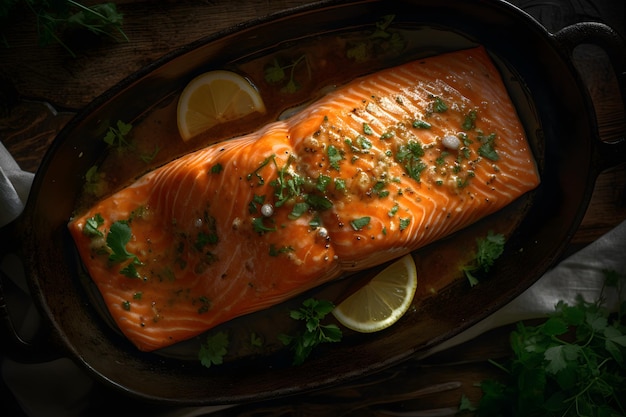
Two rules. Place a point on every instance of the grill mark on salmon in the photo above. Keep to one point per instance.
(354, 180)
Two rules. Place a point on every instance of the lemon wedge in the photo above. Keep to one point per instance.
(382, 301)
(215, 97)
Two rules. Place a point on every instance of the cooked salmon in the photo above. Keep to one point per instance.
(382, 166)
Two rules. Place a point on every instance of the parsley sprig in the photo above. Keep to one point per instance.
(54, 18)
(488, 249)
(213, 350)
(312, 313)
(117, 136)
(572, 364)
(380, 41)
(276, 73)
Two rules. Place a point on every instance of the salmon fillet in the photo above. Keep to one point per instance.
(382, 166)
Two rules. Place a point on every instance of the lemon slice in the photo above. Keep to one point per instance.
(382, 301)
(215, 97)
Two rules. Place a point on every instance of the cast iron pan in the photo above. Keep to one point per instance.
(553, 104)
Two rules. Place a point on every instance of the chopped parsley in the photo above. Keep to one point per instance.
(438, 105)
(487, 149)
(469, 122)
(92, 226)
(217, 168)
(259, 226)
(287, 185)
(322, 182)
(298, 210)
(334, 156)
(360, 223)
(409, 155)
(420, 124)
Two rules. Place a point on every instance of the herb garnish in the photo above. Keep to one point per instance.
(572, 364)
(469, 122)
(95, 182)
(334, 156)
(117, 238)
(287, 185)
(275, 73)
(92, 226)
(438, 105)
(255, 173)
(117, 136)
(421, 124)
(487, 149)
(409, 155)
(381, 41)
(488, 250)
(213, 350)
(360, 223)
(259, 226)
(54, 18)
(312, 313)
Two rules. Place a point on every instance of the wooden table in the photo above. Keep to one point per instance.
(41, 88)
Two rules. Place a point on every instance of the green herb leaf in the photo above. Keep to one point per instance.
(469, 122)
(438, 105)
(117, 238)
(572, 364)
(409, 155)
(334, 156)
(275, 73)
(92, 226)
(259, 226)
(298, 210)
(488, 250)
(487, 149)
(213, 350)
(116, 136)
(420, 124)
(54, 19)
(311, 313)
(360, 223)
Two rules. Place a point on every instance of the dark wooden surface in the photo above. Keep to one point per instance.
(41, 88)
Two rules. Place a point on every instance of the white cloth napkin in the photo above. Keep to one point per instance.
(60, 388)
(14, 187)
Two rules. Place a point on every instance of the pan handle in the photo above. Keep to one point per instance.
(39, 348)
(610, 153)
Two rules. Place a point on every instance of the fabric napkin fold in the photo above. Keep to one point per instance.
(61, 388)
(14, 187)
